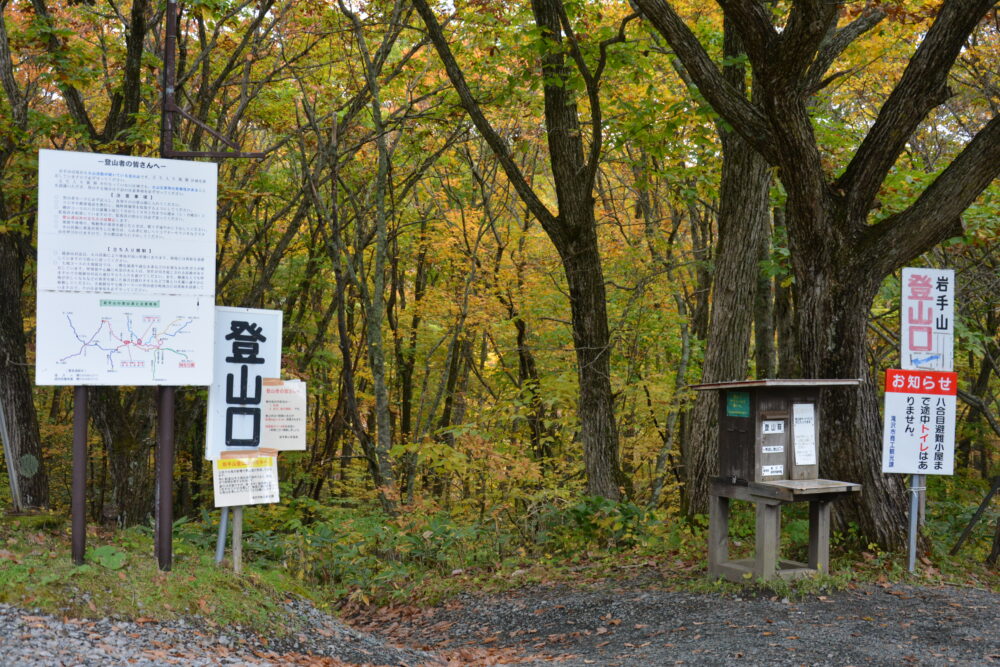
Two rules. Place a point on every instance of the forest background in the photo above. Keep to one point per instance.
(506, 238)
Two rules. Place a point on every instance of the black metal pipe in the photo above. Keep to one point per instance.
(165, 478)
(79, 490)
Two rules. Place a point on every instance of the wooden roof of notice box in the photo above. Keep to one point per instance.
(751, 384)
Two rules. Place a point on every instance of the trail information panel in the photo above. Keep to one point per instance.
(246, 478)
(126, 270)
(919, 427)
(284, 416)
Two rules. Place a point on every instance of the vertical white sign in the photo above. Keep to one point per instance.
(126, 270)
(247, 350)
(284, 426)
(804, 432)
(918, 436)
(927, 319)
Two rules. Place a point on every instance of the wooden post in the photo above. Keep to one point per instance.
(238, 540)
(766, 556)
(819, 536)
(165, 480)
(718, 533)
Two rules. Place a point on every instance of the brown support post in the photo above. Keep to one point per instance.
(164, 479)
(78, 500)
(819, 536)
(766, 556)
(718, 533)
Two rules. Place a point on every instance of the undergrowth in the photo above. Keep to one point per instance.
(340, 555)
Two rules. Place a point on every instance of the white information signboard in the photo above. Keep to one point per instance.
(804, 431)
(927, 319)
(126, 270)
(284, 426)
(919, 430)
(248, 478)
(247, 350)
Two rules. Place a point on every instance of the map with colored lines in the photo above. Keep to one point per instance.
(104, 339)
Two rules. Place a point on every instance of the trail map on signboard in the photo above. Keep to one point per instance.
(126, 270)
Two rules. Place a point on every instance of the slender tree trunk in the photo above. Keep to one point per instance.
(22, 445)
(124, 418)
(599, 433)
(763, 321)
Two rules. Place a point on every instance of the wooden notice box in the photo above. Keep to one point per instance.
(769, 447)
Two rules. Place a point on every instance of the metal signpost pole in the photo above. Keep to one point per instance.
(164, 479)
(917, 484)
(220, 540)
(169, 112)
(8, 455)
(79, 492)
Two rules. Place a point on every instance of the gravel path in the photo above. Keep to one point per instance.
(613, 625)
(892, 625)
(32, 639)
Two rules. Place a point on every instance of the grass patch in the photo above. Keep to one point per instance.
(347, 557)
(120, 579)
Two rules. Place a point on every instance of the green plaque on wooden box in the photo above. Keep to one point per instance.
(737, 404)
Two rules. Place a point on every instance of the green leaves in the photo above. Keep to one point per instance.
(108, 557)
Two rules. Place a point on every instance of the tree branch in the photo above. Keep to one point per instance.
(834, 44)
(727, 101)
(936, 214)
(921, 88)
(471, 106)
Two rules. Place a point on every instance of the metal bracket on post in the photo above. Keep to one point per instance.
(170, 107)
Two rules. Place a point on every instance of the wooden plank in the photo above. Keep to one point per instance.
(238, 540)
(718, 533)
(819, 536)
(766, 552)
(749, 384)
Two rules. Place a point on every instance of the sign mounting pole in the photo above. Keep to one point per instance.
(167, 395)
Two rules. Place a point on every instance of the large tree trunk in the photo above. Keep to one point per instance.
(851, 426)
(21, 439)
(744, 228)
(743, 232)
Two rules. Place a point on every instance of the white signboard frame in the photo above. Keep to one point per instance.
(927, 319)
(919, 424)
(126, 270)
(247, 346)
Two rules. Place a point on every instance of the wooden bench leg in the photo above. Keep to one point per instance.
(819, 535)
(768, 525)
(718, 533)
